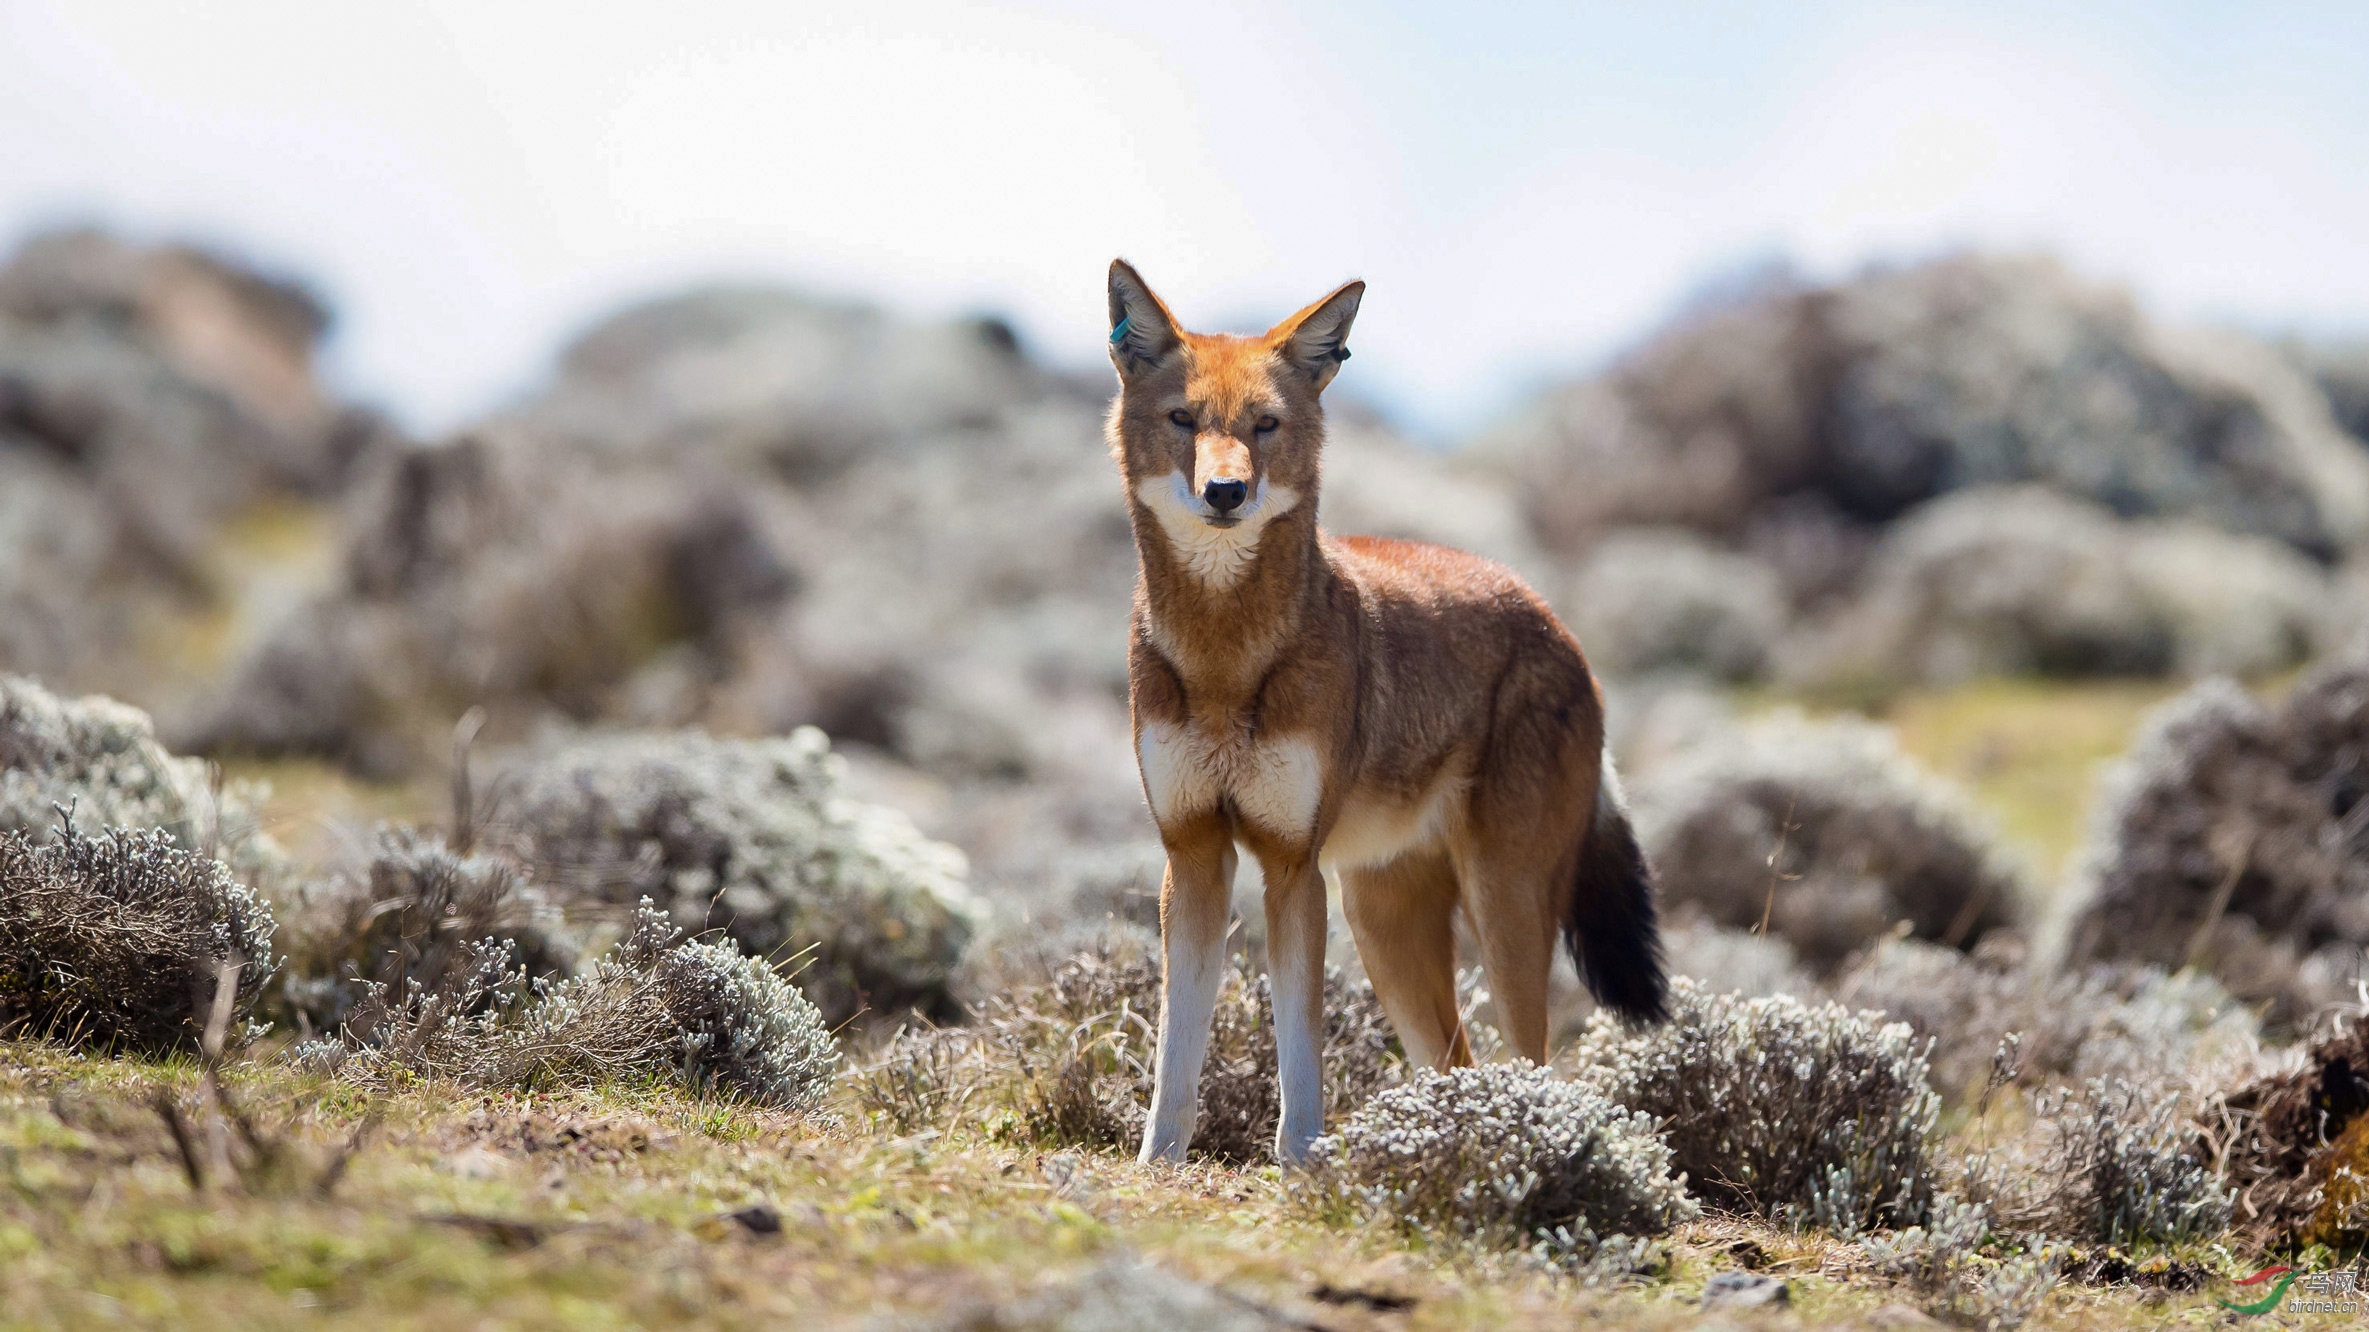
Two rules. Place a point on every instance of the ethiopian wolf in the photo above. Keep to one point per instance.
(1410, 720)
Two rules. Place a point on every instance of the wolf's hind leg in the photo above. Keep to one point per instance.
(1510, 899)
(1401, 916)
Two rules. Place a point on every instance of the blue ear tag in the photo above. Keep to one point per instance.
(1119, 334)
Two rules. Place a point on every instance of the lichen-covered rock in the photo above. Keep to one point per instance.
(149, 396)
(754, 838)
(1827, 830)
(1662, 599)
(1903, 384)
(1805, 1113)
(1502, 1153)
(2023, 580)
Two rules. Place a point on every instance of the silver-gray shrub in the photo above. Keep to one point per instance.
(1665, 598)
(412, 914)
(755, 838)
(1939, 1261)
(2116, 1164)
(1809, 1114)
(100, 761)
(701, 1014)
(2138, 1022)
(1507, 1154)
(116, 941)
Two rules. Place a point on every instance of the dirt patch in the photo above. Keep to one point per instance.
(541, 1133)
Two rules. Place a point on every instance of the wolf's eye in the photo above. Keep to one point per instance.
(1265, 425)
(1182, 418)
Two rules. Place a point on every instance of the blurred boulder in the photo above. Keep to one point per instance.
(1664, 599)
(1829, 833)
(757, 839)
(2342, 372)
(496, 569)
(2235, 835)
(2021, 579)
(1880, 393)
(148, 397)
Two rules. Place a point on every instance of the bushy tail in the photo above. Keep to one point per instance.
(1610, 925)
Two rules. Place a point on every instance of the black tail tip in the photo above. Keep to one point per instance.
(1612, 927)
(1631, 981)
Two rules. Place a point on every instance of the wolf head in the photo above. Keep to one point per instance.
(1219, 435)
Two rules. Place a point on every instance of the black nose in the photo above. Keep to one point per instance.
(1224, 496)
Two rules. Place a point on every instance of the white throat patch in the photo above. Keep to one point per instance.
(1217, 556)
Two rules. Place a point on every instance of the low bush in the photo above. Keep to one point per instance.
(413, 913)
(1664, 598)
(1810, 1115)
(754, 838)
(1826, 831)
(1941, 1262)
(2137, 1023)
(2279, 1139)
(705, 1013)
(1502, 1153)
(700, 1014)
(2116, 1164)
(2018, 580)
(116, 941)
(2235, 835)
(99, 760)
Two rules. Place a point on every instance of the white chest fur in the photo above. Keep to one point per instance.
(1275, 782)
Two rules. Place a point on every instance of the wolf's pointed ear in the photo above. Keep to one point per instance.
(1316, 339)
(1142, 333)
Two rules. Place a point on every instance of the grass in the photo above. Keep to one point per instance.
(613, 1209)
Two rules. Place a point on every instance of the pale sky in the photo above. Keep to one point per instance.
(1525, 188)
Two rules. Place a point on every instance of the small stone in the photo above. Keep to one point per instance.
(758, 1219)
(1901, 1318)
(1745, 1290)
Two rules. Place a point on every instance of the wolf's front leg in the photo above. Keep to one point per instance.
(1295, 977)
(1195, 896)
